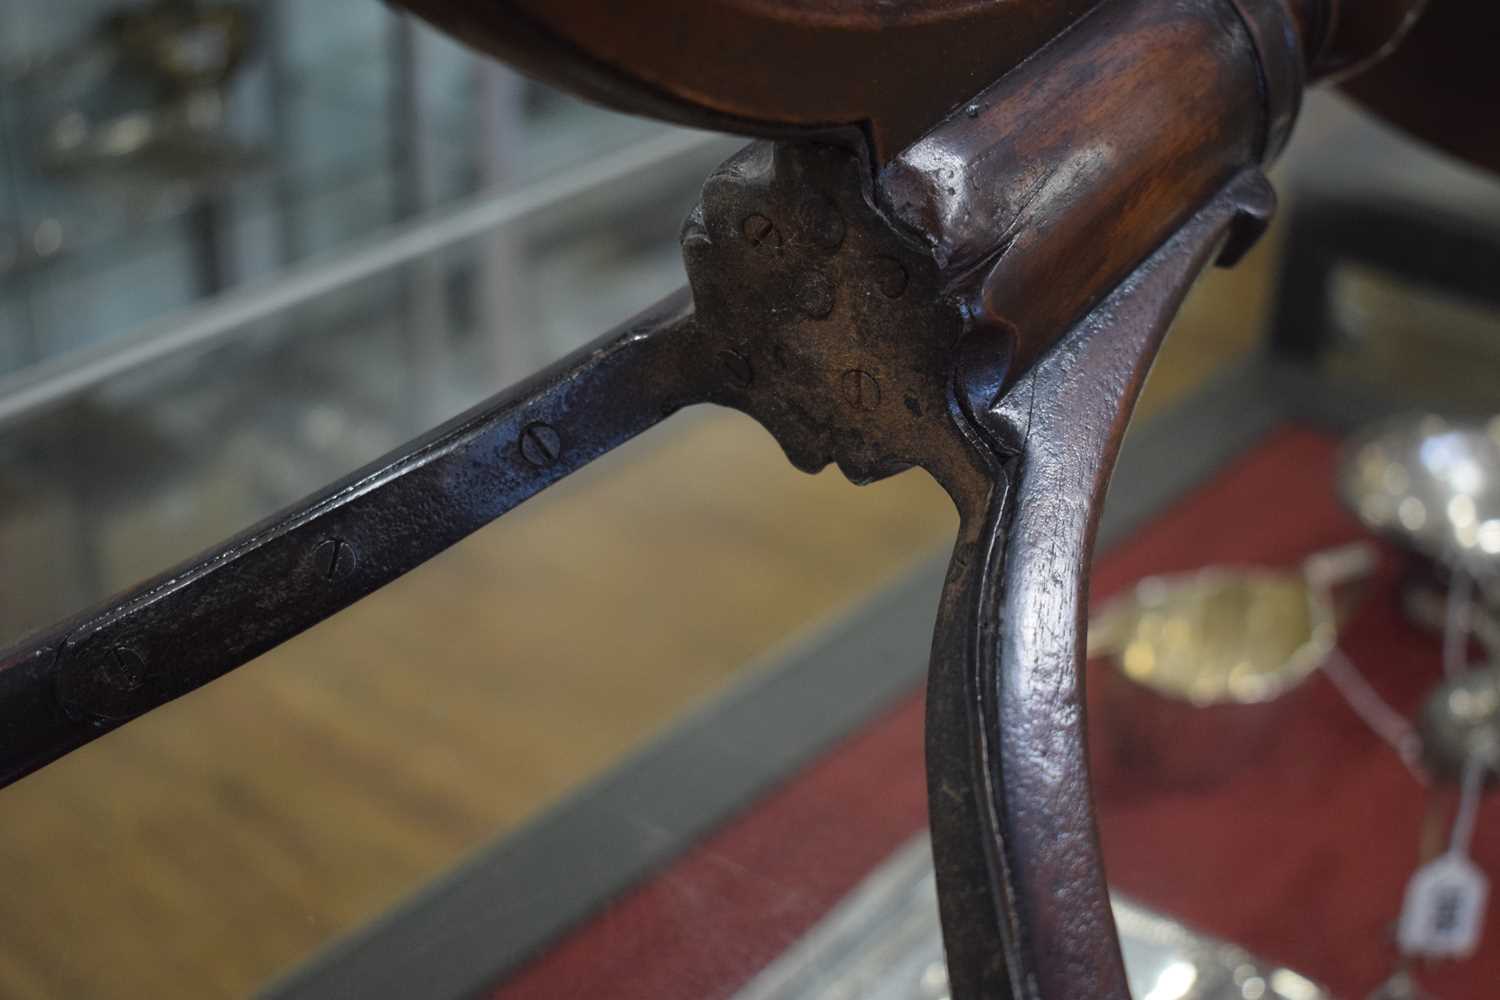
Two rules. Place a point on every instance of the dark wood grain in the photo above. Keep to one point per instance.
(777, 68)
(1440, 85)
(1059, 179)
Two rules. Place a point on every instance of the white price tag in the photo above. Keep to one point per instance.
(1443, 913)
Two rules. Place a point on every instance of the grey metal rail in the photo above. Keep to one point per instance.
(202, 326)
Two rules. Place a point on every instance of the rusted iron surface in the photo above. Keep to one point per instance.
(837, 328)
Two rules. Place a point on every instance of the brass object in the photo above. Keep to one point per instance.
(1226, 635)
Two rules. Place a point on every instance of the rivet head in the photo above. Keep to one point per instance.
(822, 222)
(815, 295)
(335, 559)
(860, 389)
(737, 368)
(540, 444)
(890, 276)
(122, 669)
(761, 233)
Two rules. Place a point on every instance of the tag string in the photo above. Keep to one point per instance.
(1471, 791)
(1456, 623)
(1383, 720)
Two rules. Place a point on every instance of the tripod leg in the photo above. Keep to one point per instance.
(1021, 884)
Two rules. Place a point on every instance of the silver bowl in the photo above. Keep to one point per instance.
(1431, 484)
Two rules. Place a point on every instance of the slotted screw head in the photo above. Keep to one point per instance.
(335, 559)
(540, 444)
(122, 669)
(761, 233)
(860, 389)
(737, 367)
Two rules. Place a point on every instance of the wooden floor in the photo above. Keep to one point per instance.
(210, 846)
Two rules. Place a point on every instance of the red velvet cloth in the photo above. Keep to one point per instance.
(1302, 852)
(1299, 850)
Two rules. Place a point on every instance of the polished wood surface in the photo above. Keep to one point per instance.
(765, 67)
(1061, 178)
(780, 67)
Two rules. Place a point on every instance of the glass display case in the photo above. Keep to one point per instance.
(366, 183)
